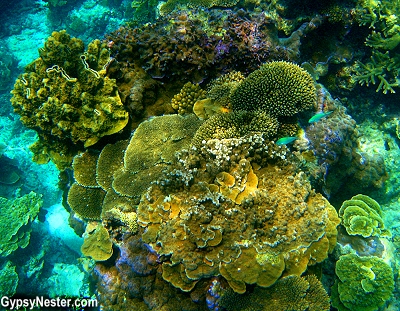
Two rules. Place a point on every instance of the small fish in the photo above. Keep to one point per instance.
(319, 116)
(285, 140)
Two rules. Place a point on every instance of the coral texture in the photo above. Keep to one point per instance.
(365, 283)
(67, 98)
(97, 243)
(277, 88)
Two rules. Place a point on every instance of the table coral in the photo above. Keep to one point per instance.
(17, 215)
(67, 98)
(365, 283)
(277, 88)
(249, 223)
(362, 215)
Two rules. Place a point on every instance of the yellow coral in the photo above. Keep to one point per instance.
(183, 101)
(97, 243)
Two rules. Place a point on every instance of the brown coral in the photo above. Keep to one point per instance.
(250, 226)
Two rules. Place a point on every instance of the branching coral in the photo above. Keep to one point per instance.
(66, 96)
(277, 88)
(384, 63)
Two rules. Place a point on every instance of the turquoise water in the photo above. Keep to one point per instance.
(156, 182)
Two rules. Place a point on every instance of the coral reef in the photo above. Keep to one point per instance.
(249, 222)
(183, 101)
(199, 45)
(17, 216)
(117, 176)
(365, 283)
(277, 88)
(235, 125)
(293, 293)
(334, 142)
(67, 98)
(97, 243)
(172, 5)
(362, 215)
(9, 279)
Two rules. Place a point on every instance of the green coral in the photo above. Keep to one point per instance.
(234, 125)
(220, 90)
(365, 283)
(384, 63)
(15, 218)
(362, 215)
(277, 88)
(66, 96)
(8, 279)
(183, 101)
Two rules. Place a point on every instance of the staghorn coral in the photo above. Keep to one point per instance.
(365, 283)
(277, 88)
(67, 98)
(235, 125)
(16, 217)
(235, 219)
(293, 293)
(183, 101)
(362, 215)
(97, 243)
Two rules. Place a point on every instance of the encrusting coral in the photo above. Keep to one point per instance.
(365, 283)
(277, 88)
(362, 215)
(67, 98)
(97, 243)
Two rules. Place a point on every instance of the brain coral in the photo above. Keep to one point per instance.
(362, 215)
(365, 283)
(67, 98)
(249, 223)
(278, 88)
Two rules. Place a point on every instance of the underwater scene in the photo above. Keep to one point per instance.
(200, 155)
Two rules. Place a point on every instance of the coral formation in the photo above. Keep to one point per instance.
(171, 5)
(365, 283)
(249, 222)
(277, 88)
(9, 279)
(199, 45)
(17, 216)
(293, 293)
(67, 98)
(117, 176)
(362, 215)
(97, 243)
(183, 101)
(235, 125)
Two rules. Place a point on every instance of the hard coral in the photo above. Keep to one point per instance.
(183, 101)
(362, 215)
(66, 96)
(277, 88)
(16, 217)
(293, 293)
(365, 283)
(97, 243)
(236, 219)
